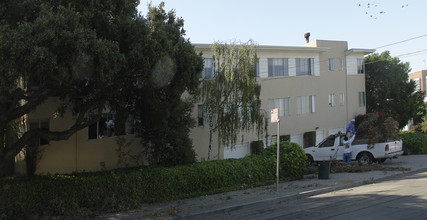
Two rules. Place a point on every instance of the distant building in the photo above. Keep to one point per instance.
(420, 79)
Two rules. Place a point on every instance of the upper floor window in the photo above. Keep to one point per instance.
(282, 104)
(341, 64)
(304, 66)
(207, 72)
(331, 64)
(360, 66)
(277, 67)
(306, 104)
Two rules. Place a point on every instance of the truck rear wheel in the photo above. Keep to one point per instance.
(364, 158)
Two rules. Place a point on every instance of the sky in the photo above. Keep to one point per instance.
(399, 26)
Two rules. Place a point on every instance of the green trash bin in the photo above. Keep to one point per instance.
(324, 169)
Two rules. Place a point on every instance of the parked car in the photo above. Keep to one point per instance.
(332, 148)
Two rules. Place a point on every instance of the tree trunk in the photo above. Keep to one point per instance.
(210, 143)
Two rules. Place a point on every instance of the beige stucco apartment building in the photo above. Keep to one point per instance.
(318, 87)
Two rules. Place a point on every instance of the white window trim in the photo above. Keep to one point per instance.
(341, 64)
(332, 99)
(342, 99)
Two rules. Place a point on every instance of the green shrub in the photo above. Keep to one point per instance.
(86, 194)
(292, 159)
(415, 143)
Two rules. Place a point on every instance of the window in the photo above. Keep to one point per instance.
(257, 67)
(40, 123)
(282, 104)
(309, 139)
(304, 66)
(104, 127)
(277, 67)
(341, 64)
(207, 68)
(342, 99)
(328, 142)
(331, 64)
(202, 120)
(362, 99)
(306, 104)
(285, 138)
(360, 66)
(417, 84)
(332, 100)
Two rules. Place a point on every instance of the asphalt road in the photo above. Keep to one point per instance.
(397, 197)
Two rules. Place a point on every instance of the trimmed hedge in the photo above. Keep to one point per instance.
(292, 159)
(414, 143)
(88, 194)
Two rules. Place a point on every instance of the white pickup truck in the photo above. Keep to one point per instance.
(332, 148)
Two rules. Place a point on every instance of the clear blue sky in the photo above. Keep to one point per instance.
(371, 25)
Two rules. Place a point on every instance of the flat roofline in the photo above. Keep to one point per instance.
(359, 51)
(274, 48)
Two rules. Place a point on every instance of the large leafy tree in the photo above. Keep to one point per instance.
(388, 89)
(87, 55)
(156, 86)
(52, 50)
(231, 97)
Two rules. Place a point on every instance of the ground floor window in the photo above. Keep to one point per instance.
(104, 127)
(362, 99)
(40, 123)
(309, 139)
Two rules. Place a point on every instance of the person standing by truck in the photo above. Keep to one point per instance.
(347, 149)
(349, 131)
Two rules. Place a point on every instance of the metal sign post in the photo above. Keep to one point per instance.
(274, 119)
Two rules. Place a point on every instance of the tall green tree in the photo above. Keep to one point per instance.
(162, 65)
(388, 89)
(231, 97)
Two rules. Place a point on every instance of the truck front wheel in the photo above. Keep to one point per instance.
(364, 158)
(309, 160)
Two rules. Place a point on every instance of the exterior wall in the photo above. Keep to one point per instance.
(326, 119)
(78, 153)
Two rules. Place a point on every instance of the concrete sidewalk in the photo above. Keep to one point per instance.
(309, 185)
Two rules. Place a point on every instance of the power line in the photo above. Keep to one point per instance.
(411, 53)
(401, 41)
